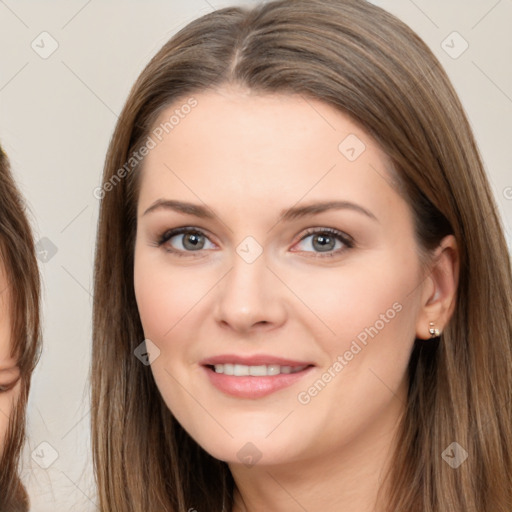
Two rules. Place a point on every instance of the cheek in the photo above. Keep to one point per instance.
(172, 301)
(367, 331)
(164, 295)
(370, 297)
(372, 311)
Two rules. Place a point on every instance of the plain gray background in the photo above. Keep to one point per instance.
(57, 113)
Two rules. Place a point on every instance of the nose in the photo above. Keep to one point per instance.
(250, 297)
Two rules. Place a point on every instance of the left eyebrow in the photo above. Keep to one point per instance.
(316, 208)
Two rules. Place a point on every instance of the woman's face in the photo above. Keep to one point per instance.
(277, 277)
(9, 371)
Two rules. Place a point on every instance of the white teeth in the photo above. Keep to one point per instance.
(257, 371)
(242, 370)
(274, 369)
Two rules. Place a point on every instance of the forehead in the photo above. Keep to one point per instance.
(234, 144)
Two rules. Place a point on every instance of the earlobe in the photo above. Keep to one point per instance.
(433, 330)
(439, 298)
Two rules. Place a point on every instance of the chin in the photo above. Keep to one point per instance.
(251, 445)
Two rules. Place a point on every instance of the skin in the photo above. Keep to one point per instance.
(247, 157)
(10, 383)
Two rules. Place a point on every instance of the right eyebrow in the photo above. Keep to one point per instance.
(181, 207)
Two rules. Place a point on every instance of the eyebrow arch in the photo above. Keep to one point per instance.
(316, 208)
(286, 215)
(181, 207)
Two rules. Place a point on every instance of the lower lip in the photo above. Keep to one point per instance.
(253, 387)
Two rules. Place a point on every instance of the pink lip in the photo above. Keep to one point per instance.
(253, 387)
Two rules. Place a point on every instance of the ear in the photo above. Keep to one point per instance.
(439, 292)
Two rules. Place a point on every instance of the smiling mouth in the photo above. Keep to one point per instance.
(264, 370)
(263, 375)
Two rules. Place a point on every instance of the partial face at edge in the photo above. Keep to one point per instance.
(338, 291)
(10, 384)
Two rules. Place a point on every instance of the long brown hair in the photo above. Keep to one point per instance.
(18, 256)
(366, 63)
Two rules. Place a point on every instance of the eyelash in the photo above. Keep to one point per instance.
(347, 241)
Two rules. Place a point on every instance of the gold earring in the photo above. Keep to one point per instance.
(434, 333)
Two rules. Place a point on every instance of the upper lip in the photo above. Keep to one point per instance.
(254, 360)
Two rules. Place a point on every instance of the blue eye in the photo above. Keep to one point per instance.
(326, 242)
(191, 240)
